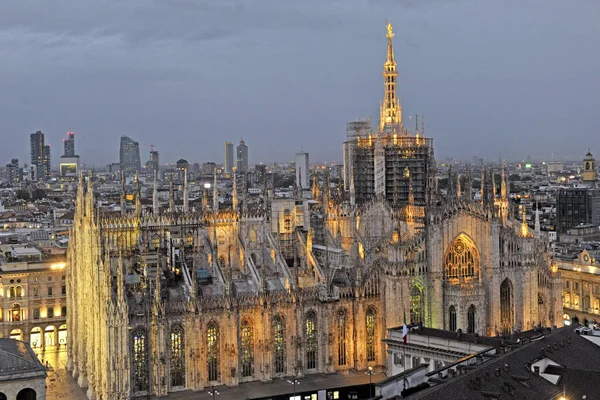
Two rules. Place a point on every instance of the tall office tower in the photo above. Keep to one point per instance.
(15, 175)
(242, 157)
(40, 156)
(302, 172)
(129, 155)
(395, 161)
(153, 162)
(69, 162)
(69, 144)
(228, 157)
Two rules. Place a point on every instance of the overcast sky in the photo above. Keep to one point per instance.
(515, 77)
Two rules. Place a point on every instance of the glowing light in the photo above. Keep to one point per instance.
(58, 266)
(207, 185)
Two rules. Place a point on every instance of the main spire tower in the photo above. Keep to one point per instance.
(390, 115)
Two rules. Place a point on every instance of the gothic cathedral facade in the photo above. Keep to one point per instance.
(179, 298)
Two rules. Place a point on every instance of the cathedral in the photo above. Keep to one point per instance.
(173, 298)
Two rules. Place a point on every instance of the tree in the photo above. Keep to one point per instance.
(38, 194)
(23, 194)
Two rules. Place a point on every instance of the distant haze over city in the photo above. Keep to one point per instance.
(515, 78)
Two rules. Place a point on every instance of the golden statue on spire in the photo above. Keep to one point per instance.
(390, 33)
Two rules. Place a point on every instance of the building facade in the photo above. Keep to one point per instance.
(129, 155)
(228, 157)
(33, 296)
(302, 170)
(69, 161)
(193, 298)
(40, 156)
(242, 157)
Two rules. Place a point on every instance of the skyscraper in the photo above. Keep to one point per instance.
(302, 178)
(228, 157)
(40, 156)
(129, 155)
(242, 157)
(15, 175)
(69, 144)
(69, 162)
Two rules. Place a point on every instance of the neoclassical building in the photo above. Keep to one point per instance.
(175, 298)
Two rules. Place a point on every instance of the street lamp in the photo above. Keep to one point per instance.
(294, 382)
(213, 392)
(370, 372)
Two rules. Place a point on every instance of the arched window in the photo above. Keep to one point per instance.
(370, 330)
(16, 312)
(252, 236)
(279, 344)
(471, 313)
(140, 361)
(462, 259)
(506, 307)
(19, 291)
(247, 349)
(27, 394)
(452, 318)
(212, 351)
(341, 332)
(311, 339)
(3, 396)
(416, 305)
(11, 292)
(177, 356)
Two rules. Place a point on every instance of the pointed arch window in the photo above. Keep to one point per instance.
(341, 331)
(212, 351)
(471, 314)
(416, 305)
(279, 344)
(247, 348)
(140, 361)
(452, 318)
(462, 259)
(177, 356)
(370, 330)
(310, 331)
(506, 307)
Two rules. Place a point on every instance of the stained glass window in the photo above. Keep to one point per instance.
(341, 328)
(416, 305)
(506, 307)
(177, 357)
(471, 319)
(452, 318)
(462, 259)
(247, 349)
(370, 320)
(140, 361)
(311, 340)
(212, 351)
(279, 344)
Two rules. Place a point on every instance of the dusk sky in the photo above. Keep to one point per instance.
(515, 77)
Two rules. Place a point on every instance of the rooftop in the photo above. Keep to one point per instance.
(16, 358)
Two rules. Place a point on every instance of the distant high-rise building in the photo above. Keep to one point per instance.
(15, 175)
(260, 173)
(129, 155)
(302, 172)
(208, 168)
(228, 157)
(69, 143)
(579, 205)
(242, 157)
(152, 164)
(69, 162)
(40, 156)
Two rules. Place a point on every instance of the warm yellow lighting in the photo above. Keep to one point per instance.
(58, 266)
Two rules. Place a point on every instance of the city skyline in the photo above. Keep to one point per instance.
(520, 77)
